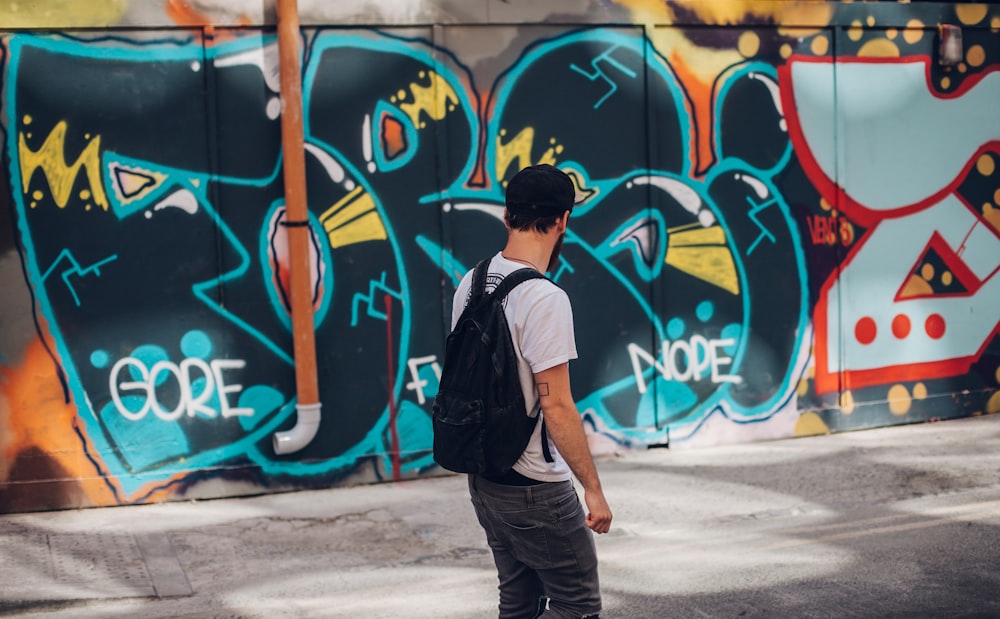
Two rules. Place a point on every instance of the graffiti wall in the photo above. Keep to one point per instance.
(788, 224)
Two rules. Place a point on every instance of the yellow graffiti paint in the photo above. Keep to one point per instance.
(366, 228)
(970, 14)
(915, 286)
(61, 177)
(518, 149)
(436, 99)
(799, 19)
(986, 165)
(820, 45)
(353, 219)
(976, 56)
(803, 388)
(737, 11)
(846, 402)
(993, 405)
(899, 400)
(879, 48)
(748, 44)
(584, 193)
(856, 31)
(702, 253)
(60, 13)
(810, 424)
(914, 31)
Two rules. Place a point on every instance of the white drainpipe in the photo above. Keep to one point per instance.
(303, 432)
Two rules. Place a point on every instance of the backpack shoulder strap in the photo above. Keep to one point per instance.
(514, 279)
(479, 280)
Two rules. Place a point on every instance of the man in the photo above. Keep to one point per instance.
(532, 516)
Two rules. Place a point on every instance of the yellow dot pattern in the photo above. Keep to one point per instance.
(970, 14)
(879, 48)
(985, 164)
(976, 56)
(855, 32)
(847, 402)
(748, 44)
(914, 31)
(899, 400)
(993, 405)
(820, 45)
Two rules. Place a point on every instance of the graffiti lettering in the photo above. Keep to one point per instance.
(789, 205)
(827, 230)
(210, 383)
(418, 383)
(700, 355)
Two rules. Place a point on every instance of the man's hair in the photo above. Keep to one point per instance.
(537, 197)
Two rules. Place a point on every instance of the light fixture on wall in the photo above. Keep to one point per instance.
(949, 45)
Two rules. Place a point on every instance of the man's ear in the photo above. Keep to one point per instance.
(506, 218)
(564, 222)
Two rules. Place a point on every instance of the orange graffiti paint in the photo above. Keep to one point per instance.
(46, 457)
(699, 91)
(393, 138)
(184, 14)
(42, 425)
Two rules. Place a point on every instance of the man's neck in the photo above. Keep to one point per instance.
(529, 248)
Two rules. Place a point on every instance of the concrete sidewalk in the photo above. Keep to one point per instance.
(892, 522)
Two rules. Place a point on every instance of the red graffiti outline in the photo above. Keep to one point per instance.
(825, 380)
(828, 188)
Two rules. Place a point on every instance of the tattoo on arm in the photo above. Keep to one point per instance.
(543, 389)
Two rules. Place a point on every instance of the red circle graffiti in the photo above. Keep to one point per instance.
(865, 330)
(901, 326)
(935, 326)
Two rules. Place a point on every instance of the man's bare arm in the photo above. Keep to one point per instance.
(563, 424)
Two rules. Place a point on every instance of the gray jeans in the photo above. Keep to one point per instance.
(542, 549)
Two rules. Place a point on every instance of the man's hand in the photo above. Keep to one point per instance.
(598, 512)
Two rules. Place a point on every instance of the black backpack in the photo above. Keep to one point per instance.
(481, 424)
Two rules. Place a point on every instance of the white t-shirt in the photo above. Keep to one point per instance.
(541, 326)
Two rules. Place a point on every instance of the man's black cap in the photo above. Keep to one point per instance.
(540, 191)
